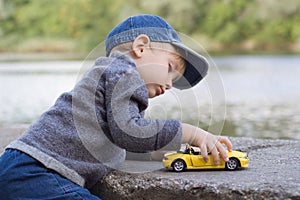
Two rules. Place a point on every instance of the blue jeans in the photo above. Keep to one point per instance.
(22, 177)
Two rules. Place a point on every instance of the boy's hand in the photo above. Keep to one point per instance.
(207, 142)
(211, 143)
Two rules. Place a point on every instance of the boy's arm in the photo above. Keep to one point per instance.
(206, 142)
(126, 99)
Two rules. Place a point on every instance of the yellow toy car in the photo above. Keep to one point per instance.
(189, 158)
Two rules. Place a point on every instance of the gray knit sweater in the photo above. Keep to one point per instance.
(86, 132)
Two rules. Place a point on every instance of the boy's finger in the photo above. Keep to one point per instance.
(222, 152)
(215, 154)
(203, 150)
(226, 141)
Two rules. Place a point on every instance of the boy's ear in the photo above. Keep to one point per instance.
(139, 45)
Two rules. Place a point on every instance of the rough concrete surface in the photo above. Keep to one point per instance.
(273, 173)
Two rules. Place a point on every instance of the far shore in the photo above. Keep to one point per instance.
(40, 56)
(46, 56)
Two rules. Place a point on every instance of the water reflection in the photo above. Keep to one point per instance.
(262, 94)
(29, 88)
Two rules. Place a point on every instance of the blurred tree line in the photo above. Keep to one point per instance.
(220, 25)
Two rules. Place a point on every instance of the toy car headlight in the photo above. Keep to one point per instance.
(244, 158)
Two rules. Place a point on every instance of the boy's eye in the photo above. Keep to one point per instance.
(170, 68)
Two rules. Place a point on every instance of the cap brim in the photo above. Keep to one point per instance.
(195, 70)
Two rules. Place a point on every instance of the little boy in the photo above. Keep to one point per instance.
(86, 132)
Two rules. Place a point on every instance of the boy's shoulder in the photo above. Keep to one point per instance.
(111, 69)
(116, 63)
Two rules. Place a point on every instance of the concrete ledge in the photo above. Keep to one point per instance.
(273, 173)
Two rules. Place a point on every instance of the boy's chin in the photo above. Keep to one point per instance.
(153, 91)
(152, 95)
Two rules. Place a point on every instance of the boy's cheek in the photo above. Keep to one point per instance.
(154, 74)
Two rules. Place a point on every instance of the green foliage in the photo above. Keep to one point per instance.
(85, 23)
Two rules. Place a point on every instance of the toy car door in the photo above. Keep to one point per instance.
(198, 161)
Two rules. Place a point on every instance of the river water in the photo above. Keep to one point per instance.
(253, 96)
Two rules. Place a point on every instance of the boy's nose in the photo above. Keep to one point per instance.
(169, 84)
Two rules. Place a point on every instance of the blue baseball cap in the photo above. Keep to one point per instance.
(158, 30)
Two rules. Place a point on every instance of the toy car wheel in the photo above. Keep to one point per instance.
(232, 164)
(178, 165)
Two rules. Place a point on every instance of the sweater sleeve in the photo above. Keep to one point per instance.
(126, 101)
